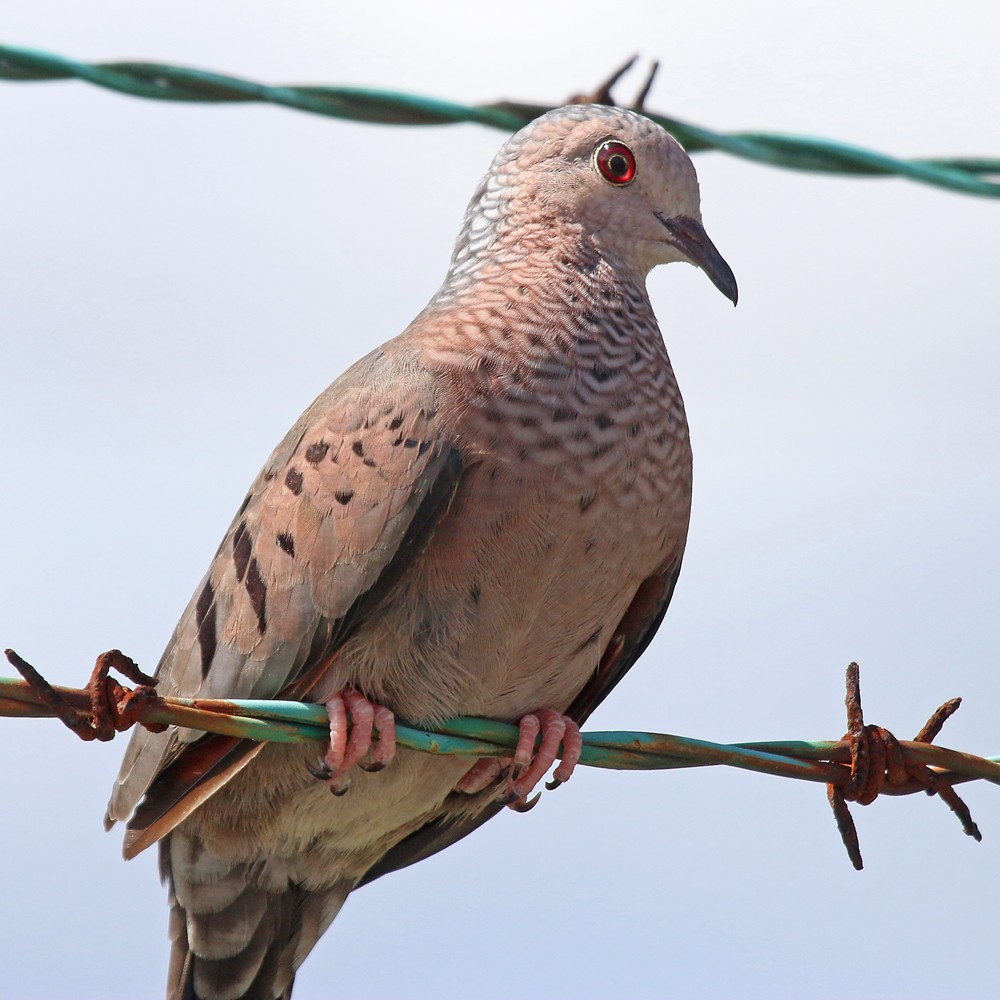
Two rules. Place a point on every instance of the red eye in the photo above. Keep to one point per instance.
(615, 162)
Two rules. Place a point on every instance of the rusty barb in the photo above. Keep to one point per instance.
(869, 760)
(878, 760)
(602, 94)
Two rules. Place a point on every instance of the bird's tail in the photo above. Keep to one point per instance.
(237, 932)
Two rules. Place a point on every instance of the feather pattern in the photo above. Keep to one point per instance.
(485, 516)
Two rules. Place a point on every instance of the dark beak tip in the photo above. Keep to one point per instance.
(723, 279)
(689, 236)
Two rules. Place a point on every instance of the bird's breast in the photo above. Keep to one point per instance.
(576, 489)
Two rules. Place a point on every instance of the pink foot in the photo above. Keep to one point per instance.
(529, 765)
(353, 721)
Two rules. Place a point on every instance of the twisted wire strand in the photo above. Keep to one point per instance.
(163, 82)
(295, 722)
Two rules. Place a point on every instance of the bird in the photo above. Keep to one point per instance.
(484, 516)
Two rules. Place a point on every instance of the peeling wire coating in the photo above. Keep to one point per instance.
(294, 722)
(163, 82)
(868, 760)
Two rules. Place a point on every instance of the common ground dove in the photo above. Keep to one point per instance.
(485, 516)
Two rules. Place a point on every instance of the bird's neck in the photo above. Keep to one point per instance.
(541, 313)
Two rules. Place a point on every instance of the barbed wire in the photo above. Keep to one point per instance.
(164, 82)
(867, 762)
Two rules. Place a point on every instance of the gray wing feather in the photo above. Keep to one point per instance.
(321, 522)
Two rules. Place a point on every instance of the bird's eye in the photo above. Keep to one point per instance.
(615, 162)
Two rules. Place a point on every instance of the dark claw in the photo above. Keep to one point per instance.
(525, 805)
(319, 770)
(339, 790)
(553, 784)
(370, 766)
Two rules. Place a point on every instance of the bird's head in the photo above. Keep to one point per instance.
(609, 176)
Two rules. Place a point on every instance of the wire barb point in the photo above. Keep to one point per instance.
(878, 763)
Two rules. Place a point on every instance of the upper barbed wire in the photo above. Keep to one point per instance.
(163, 82)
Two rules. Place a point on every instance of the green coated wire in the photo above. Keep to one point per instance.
(296, 722)
(177, 83)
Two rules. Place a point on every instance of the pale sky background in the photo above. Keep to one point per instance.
(178, 282)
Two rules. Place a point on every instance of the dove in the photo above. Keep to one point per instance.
(486, 516)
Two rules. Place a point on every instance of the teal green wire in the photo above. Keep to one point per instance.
(294, 722)
(177, 83)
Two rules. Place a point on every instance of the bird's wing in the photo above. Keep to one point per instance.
(628, 642)
(349, 497)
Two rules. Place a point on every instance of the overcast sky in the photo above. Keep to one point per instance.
(178, 282)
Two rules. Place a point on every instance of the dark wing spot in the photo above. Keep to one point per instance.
(204, 616)
(560, 414)
(316, 452)
(410, 443)
(293, 480)
(257, 590)
(600, 372)
(343, 496)
(424, 445)
(286, 543)
(634, 429)
(475, 592)
(358, 448)
(241, 549)
(370, 462)
(603, 421)
(396, 422)
(245, 504)
(586, 500)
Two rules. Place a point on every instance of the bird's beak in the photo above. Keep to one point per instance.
(689, 236)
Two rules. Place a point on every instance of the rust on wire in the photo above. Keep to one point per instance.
(602, 94)
(869, 761)
(877, 761)
(113, 708)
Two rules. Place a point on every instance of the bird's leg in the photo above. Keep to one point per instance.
(549, 730)
(353, 722)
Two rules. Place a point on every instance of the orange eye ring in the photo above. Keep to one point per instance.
(615, 162)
